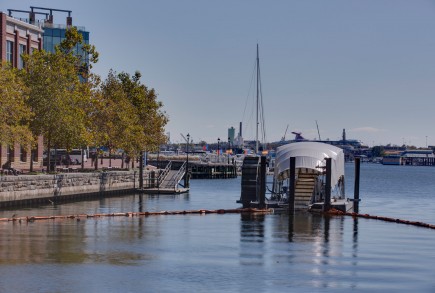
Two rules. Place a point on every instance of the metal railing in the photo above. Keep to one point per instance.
(179, 175)
(165, 173)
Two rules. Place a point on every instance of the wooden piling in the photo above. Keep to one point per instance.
(356, 187)
(327, 203)
(250, 186)
(292, 186)
(262, 193)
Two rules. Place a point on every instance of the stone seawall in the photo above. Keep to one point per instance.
(27, 189)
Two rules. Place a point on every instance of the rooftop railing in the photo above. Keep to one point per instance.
(42, 24)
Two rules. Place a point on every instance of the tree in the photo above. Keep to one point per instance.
(115, 120)
(378, 151)
(127, 115)
(57, 96)
(152, 120)
(15, 113)
(81, 54)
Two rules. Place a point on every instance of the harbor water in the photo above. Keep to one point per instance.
(228, 252)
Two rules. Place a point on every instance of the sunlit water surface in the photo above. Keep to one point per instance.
(230, 252)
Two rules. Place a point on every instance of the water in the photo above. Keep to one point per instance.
(231, 252)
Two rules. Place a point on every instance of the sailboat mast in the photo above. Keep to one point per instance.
(258, 93)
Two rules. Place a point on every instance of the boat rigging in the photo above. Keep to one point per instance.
(260, 127)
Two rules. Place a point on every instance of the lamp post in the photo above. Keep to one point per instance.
(187, 151)
(228, 152)
(219, 140)
(186, 177)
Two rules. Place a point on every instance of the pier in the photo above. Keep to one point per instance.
(418, 161)
(201, 170)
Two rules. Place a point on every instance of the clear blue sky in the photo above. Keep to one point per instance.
(366, 66)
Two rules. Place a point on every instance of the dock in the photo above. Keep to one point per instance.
(418, 161)
(202, 170)
(157, 190)
(168, 180)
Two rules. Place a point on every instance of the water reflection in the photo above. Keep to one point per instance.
(354, 252)
(355, 238)
(229, 252)
(39, 242)
(74, 241)
(135, 202)
(300, 227)
(252, 239)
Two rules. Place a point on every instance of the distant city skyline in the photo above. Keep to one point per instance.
(365, 66)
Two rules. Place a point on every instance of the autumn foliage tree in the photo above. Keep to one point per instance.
(148, 109)
(15, 113)
(130, 118)
(72, 107)
(57, 96)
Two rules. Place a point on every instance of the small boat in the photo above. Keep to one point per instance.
(310, 178)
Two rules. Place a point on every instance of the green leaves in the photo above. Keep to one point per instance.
(15, 114)
(50, 98)
(55, 97)
(129, 114)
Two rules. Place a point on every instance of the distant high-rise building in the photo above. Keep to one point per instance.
(238, 141)
(231, 134)
(240, 129)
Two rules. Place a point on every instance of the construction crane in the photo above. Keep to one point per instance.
(185, 139)
(318, 130)
(283, 138)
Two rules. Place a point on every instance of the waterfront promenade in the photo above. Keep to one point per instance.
(103, 164)
(106, 163)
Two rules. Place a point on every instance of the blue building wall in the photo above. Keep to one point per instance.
(53, 36)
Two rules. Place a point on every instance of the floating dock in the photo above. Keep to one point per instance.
(201, 170)
(179, 190)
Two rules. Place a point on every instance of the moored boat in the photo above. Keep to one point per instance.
(310, 178)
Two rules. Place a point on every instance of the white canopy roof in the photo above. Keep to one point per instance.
(310, 155)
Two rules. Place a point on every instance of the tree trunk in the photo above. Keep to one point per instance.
(96, 160)
(110, 157)
(31, 160)
(83, 158)
(141, 171)
(48, 156)
(55, 159)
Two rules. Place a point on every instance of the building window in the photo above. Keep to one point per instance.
(21, 60)
(10, 154)
(35, 154)
(48, 44)
(10, 52)
(23, 154)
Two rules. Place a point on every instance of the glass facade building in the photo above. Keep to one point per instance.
(52, 37)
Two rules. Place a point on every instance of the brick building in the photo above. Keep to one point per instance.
(23, 35)
(18, 37)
